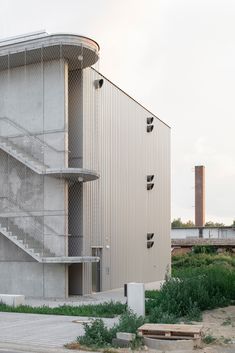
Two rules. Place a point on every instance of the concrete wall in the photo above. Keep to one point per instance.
(35, 98)
(118, 209)
(20, 274)
(216, 233)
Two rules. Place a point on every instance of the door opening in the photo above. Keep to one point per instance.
(75, 279)
(96, 270)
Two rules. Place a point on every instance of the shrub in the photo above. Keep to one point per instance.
(209, 339)
(203, 260)
(196, 290)
(194, 313)
(157, 315)
(204, 249)
(151, 294)
(97, 335)
(129, 322)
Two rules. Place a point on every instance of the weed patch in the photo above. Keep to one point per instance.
(209, 339)
(192, 292)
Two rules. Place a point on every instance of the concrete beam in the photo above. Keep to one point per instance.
(69, 259)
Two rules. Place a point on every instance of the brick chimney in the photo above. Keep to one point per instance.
(199, 196)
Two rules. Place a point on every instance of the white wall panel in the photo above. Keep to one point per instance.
(118, 209)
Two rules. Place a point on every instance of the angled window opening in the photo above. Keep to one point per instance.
(150, 178)
(150, 244)
(150, 186)
(150, 236)
(149, 120)
(150, 128)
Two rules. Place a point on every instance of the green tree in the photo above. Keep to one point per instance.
(188, 224)
(176, 223)
(214, 224)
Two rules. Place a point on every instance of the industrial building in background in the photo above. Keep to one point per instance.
(84, 174)
(200, 197)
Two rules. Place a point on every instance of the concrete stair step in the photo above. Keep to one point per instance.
(20, 154)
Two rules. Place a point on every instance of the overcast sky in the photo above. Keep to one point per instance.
(177, 58)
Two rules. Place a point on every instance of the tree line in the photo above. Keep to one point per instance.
(178, 223)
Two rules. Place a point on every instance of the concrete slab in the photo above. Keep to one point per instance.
(119, 343)
(94, 298)
(12, 299)
(169, 345)
(125, 336)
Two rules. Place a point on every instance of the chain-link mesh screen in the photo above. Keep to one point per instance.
(41, 131)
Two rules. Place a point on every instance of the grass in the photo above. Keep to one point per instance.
(227, 321)
(106, 310)
(209, 339)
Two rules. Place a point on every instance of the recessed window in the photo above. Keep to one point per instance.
(150, 186)
(150, 244)
(150, 178)
(150, 128)
(150, 241)
(150, 236)
(149, 120)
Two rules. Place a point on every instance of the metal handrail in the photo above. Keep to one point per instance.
(29, 213)
(28, 134)
(26, 236)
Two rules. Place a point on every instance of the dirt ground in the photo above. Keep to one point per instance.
(218, 327)
(220, 324)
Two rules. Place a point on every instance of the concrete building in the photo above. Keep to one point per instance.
(84, 174)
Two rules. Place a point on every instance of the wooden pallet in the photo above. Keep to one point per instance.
(166, 331)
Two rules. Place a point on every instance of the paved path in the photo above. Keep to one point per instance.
(46, 330)
(33, 333)
(95, 298)
(48, 333)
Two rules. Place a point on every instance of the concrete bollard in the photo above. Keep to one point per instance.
(136, 298)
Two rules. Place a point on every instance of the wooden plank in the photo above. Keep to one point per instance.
(170, 337)
(194, 329)
(168, 334)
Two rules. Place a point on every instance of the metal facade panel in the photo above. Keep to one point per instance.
(119, 211)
